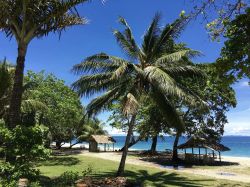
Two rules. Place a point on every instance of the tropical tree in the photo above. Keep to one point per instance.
(234, 62)
(220, 98)
(26, 20)
(5, 86)
(217, 14)
(64, 109)
(150, 69)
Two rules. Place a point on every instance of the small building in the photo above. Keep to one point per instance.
(201, 143)
(104, 140)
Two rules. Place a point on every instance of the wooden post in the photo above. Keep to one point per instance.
(213, 154)
(104, 147)
(206, 151)
(113, 147)
(199, 154)
(193, 154)
(219, 156)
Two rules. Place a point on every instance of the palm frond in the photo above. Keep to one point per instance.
(151, 35)
(98, 63)
(100, 103)
(176, 57)
(119, 72)
(131, 105)
(163, 82)
(169, 112)
(185, 71)
(169, 32)
(126, 40)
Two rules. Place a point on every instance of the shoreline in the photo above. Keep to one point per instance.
(86, 146)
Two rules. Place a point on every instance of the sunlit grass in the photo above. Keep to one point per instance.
(147, 175)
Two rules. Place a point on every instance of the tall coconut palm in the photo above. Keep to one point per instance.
(29, 19)
(150, 69)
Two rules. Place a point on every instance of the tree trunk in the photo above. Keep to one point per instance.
(17, 91)
(16, 98)
(175, 150)
(131, 143)
(58, 145)
(120, 171)
(153, 145)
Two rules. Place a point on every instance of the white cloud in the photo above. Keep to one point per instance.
(244, 83)
(243, 131)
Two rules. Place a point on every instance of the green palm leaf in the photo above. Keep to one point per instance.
(176, 57)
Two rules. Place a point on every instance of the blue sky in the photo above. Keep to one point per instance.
(58, 56)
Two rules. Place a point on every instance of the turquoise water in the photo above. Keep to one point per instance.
(239, 145)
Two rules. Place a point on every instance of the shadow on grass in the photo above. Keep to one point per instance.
(64, 160)
(143, 178)
(159, 179)
(168, 162)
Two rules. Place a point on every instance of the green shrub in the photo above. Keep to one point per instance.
(67, 178)
(27, 146)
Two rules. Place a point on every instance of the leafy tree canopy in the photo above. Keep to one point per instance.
(234, 62)
(64, 111)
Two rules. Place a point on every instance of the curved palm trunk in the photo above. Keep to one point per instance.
(175, 150)
(120, 171)
(131, 143)
(16, 96)
(154, 144)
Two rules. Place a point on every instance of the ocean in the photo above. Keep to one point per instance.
(239, 145)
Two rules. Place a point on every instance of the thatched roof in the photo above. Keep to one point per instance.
(102, 139)
(197, 142)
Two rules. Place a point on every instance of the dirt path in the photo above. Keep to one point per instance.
(218, 173)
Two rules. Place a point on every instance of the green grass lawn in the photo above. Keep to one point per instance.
(145, 175)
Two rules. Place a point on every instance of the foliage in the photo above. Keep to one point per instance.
(150, 69)
(64, 110)
(6, 75)
(28, 145)
(234, 62)
(220, 98)
(27, 19)
(218, 13)
(68, 178)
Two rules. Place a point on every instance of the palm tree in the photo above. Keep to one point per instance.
(26, 20)
(150, 69)
(87, 128)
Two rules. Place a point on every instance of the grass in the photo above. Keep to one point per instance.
(146, 175)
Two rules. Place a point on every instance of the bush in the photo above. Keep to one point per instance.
(67, 178)
(27, 146)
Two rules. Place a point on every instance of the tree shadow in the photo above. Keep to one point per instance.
(60, 160)
(159, 179)
(165, 161)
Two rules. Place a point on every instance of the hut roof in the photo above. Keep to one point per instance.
(194, 142)
(102, 139)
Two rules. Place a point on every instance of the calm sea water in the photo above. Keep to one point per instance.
(239, 145)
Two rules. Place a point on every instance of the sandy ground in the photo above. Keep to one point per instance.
(221, 172)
